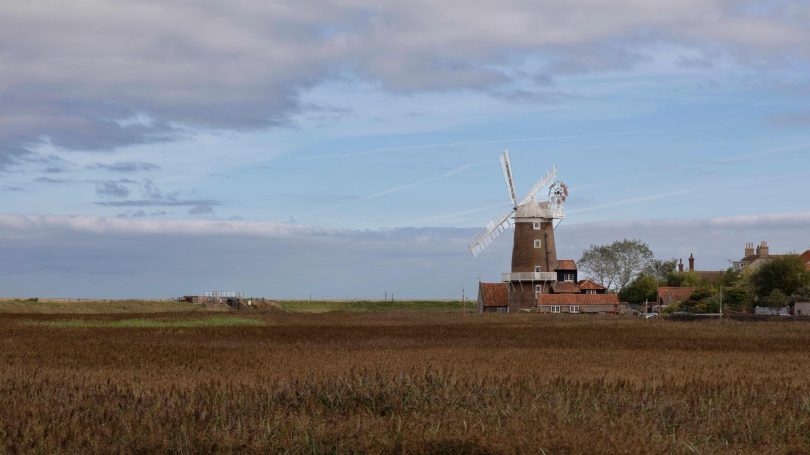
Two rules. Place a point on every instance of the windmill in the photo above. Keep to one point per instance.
(534, 255)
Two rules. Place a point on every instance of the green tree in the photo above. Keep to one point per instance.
(787, 274)
(776, 299)
(617, 264)
(800, 295)
(684, 279)
(642, 289)
(737, 299)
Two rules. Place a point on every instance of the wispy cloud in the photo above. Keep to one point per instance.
(398, 188)
(631, 201)
(503, 141)
(125, 166)
(771, 151)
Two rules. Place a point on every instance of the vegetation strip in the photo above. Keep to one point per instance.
(151, 323)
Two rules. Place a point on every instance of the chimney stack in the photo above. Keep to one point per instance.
(680, 266)
(763, 250)
(749, 249)
(691, 262)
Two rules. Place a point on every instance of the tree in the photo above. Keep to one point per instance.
(788, 274)
(642, 289)
(684, 279)
(659, 268)
(737, 299)
(776, 299)
(617, 264)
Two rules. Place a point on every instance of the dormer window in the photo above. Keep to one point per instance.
(568, 277)
(538, 243)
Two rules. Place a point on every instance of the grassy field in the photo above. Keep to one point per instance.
(326, 306)
(407, 381)
(216, 321)
(62, 306)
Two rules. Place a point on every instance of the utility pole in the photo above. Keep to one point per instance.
(721, 302)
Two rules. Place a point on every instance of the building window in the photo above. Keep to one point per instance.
(537, 225)
(538, 269)
(502, 309)
(538, 243)
(590, 291)
(573, 309)
(555, 308)
(568, 277)
(538, 289)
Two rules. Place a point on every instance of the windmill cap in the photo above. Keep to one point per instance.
(533, 209)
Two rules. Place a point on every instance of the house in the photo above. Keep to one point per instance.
(801, 309)
(806, 258)
(707, 276)
(672, 296)
(755, 257)
(578, 303)
(493, 297)
(568, 295)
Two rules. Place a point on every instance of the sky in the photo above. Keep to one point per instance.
(349, 149)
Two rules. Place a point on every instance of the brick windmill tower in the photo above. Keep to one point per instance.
(534, 252)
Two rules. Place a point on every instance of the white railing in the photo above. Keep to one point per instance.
(529, 276)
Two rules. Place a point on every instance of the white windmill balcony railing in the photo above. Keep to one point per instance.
(529, 276)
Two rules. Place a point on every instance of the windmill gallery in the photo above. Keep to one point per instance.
(538, 281)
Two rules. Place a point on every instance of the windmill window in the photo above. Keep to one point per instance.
(538, 269)
(538, 243)
(537, 225)
(555, 308)
(538, 289)
(573, 309)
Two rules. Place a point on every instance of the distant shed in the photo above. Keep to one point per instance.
(493, 297)
(801, 309)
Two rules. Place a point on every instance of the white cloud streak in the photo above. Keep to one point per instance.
(396, 189)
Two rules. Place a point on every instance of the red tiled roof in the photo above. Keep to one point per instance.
(588, 285)
(578, 299)
(494, 294)
(806, 258)
(669, 296)
(565, 288)
(566, 264)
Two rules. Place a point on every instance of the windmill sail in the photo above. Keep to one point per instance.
(506, 166)
(494, 229)
(542, 183)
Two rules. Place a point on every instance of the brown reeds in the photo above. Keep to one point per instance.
(406, 382)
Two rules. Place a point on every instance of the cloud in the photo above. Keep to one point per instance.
(152, 196)
(115, 73)
(11, 188)
(112, 189)
(126, 166)
(51, 180)
(397, 188)
(201, 210)
(168, 202)
(81, 256)
(794, 119)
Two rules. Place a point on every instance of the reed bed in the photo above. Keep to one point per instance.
(406, 383)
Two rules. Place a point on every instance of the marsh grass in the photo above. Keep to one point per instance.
(361, 306)
(45, 306)
(217, 321)
(405, 382)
